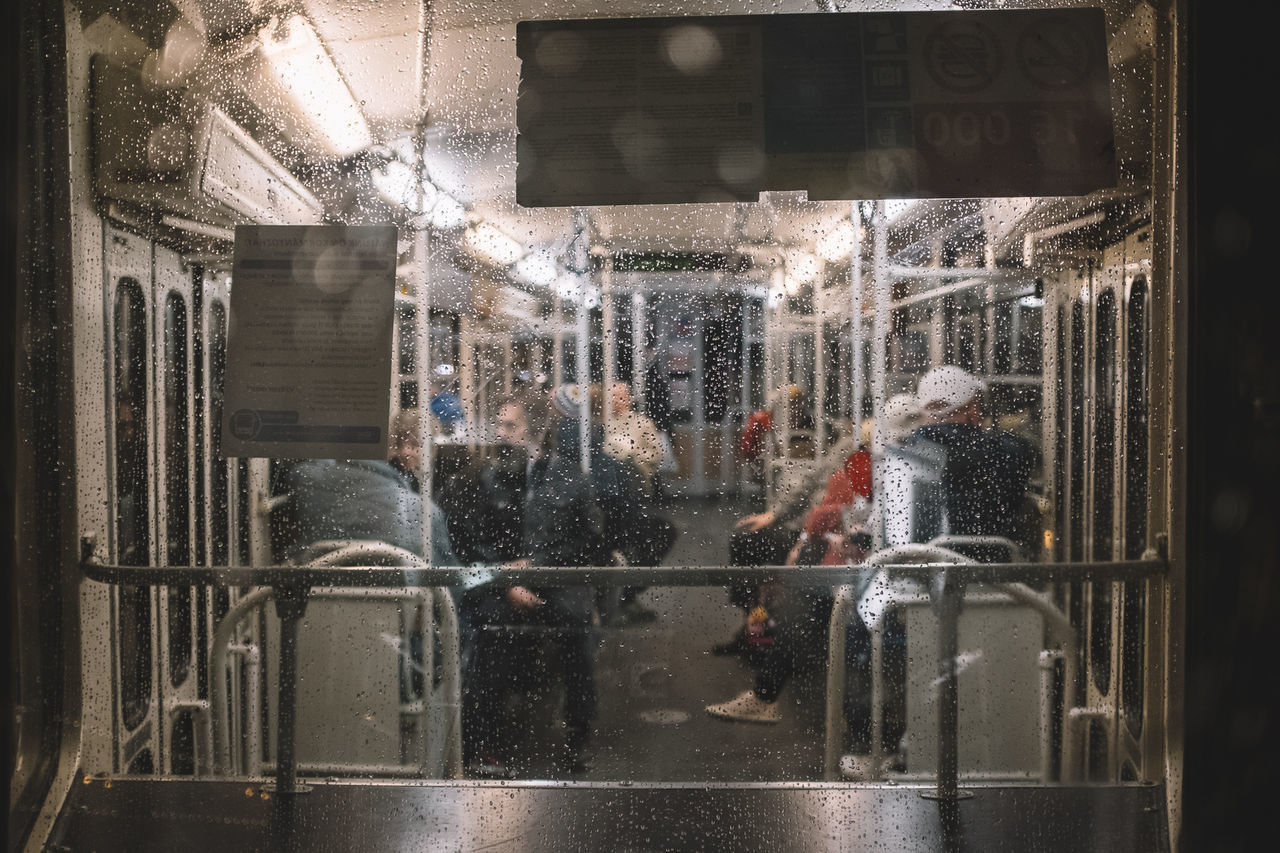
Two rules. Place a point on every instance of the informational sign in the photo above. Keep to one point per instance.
(846, 106)
(309, 342)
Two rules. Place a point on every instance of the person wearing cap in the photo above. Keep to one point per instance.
(985, 472)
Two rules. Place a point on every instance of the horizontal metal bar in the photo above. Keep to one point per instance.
(553, 576)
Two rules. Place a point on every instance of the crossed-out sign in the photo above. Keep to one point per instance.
(898, 105)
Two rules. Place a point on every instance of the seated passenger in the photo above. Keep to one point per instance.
(631, 436)
(985, 472)
(766, 538)
(633, 528)
(361, 499)
(787, 626)
(559, 524)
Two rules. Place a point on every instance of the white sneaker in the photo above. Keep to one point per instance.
(747, 708)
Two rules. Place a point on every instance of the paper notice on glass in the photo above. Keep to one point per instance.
(308, 371)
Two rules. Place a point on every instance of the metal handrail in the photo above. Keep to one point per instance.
(336, 553)
(846, 602)
(849, 597)
(682, 576)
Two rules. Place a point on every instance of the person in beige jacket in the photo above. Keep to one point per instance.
(631, 436)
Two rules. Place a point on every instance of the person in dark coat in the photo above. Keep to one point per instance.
(559, 524)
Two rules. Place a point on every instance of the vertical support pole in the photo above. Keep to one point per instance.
(422, 295)
(820, 413)
(557, 342)
(639, 319)
(946, 594)
(291, 603)
(610, 343)
(259, 512)
(937, 320)
(467, 363)
(856, 366)
(582, 373)
(882, 293)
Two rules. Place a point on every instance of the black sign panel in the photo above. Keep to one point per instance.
(844, 106)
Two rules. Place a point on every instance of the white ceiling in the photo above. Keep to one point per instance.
(455, 61)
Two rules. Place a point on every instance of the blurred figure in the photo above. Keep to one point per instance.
(631, 436)
(446, 408)
(361, 499)
(984, 471)
(634, 532)
(559, 524)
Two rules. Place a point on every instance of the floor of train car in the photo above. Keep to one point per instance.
(655, 679)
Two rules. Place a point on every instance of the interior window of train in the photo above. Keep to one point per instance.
(178, 509)
(741, 380)
(132, 498)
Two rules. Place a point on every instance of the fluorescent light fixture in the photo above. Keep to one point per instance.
(296, 83)
(837, 244)
(895, 207)
(537, 269)
(397, 183)
(489, 244)
(801, 266)
(567, 287)
(448, 213)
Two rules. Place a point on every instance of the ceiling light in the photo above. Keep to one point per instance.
(837, 244)
(448, 213)
(489, 244)
(538, 269)
(802, 266)
(397, 183)
(895, 207)
(297, 83)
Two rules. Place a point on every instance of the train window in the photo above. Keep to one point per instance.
(1030, 352)
(738, 384)
(1136, 439)
(1005, 341)
(177, 423)
(1133, 617)
(1076, 402)
(1103, 463)
(133, 516)
(182, 743)
(1105, 388)
(219, 518)
(1061, 436)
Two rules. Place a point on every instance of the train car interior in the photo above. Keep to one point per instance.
(776, 436)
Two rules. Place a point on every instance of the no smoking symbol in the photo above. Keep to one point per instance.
(1054, 54)
(963, 56)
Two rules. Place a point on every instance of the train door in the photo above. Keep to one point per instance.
(1098, 320)
(182, 617)
(127, 267)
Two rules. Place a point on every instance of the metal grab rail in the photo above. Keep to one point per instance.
(368, 575)
(337, 553)
(846, 601)
(1058, 628)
